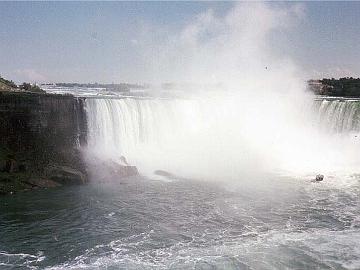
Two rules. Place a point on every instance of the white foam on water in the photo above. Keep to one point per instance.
(20, 260)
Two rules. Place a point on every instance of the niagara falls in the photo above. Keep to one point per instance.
(179, 135)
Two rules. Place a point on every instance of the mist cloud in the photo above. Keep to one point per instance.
(221, 48)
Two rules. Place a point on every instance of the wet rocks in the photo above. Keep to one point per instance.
(65, 175)
(3, 165)
(41, 183)
(165, 174)
(115, 169)
(108, 169)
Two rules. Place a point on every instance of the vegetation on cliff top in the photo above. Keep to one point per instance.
(31, 88)
(6, 85)
(343, 87)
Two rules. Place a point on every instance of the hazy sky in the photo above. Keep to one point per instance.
(110, 42)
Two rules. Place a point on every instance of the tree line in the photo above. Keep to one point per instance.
(10, 85)
(343, 87)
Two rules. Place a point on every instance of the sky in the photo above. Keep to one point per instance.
(113, 41)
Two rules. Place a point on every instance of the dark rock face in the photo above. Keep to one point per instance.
(319, 178)
(40, 138)
(66, 175)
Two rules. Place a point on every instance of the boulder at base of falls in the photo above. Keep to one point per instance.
(129, 170)
(116, 169)
(110, 169)
(65, 175)
(165, 174)
(41, 183)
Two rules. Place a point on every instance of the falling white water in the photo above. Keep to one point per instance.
(225, 137)
(339, 116)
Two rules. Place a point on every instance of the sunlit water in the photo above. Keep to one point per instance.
(143, 224)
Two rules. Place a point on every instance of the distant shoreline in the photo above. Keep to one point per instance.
(343, 87)
(347, 87)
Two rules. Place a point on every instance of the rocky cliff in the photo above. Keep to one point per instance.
(40, 139)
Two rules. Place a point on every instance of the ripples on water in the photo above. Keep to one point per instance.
(143, 224)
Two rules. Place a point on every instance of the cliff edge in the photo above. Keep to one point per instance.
(40, 140)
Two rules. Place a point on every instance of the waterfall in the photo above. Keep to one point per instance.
(123, 125)
(222, 137)
(339, 116)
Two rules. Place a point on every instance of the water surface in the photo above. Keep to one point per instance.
(143, 224)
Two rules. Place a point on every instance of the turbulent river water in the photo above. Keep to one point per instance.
(144, 224)
(275, 221)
